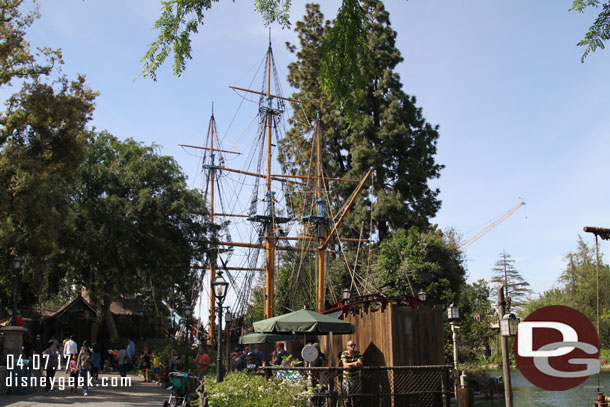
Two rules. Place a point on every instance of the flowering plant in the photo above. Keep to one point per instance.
(247, 390)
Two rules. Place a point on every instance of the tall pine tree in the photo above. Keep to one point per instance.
(392, 136)
(515, 286)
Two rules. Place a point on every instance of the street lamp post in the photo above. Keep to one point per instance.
(508, 327)
(187, 315)
(228, 320)
(346, 295)
(220, 286)
(16, 270)
(453, 313)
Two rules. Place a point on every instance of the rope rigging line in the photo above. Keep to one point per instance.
(368, 267)
(242, 101)
(344, 257)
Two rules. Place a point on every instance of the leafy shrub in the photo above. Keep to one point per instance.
(248, 390)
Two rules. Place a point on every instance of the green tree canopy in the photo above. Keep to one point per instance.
(142, 227)
(578, 288)
(16, 59)
(392, 137)
(413, 260)
(475, 332)
(42, 138)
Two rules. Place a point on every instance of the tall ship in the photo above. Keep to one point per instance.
(260, 213)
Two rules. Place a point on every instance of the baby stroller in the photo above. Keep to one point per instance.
(179, 390)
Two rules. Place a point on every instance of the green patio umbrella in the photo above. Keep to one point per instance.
(304, 322)
(257, 337)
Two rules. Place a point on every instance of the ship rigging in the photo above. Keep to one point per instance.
(270, 211)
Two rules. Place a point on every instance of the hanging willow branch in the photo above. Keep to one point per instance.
(346, 58)
(181, 18)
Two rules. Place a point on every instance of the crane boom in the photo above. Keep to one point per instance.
(492, 225)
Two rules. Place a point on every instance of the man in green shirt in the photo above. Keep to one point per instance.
(352, 361)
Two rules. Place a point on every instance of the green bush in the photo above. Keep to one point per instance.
(604, 354)
(248, 390)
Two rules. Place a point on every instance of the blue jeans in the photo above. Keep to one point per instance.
(85, 374)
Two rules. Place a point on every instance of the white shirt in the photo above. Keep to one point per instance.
(70, 348)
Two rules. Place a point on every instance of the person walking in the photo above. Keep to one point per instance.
(51, 359)
(85, 363)
(352, 361)
(38, 345)
(131, 349)
(124, 361)
(156, 364)
(73, 366)
(96, 358)
(70, 348)
(202, 361)
(145, 359)
(174, 360)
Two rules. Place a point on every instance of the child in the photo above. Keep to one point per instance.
(156, 363)
(73, 374)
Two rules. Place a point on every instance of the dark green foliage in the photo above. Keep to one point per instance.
(599, 32)
(475, 334)
(143, 226)
(392, 137)
(43, 136)
(579, 289)
(414, 260)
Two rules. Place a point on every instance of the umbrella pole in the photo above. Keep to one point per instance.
(330, 347)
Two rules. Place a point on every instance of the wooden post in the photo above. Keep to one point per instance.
(508, 390)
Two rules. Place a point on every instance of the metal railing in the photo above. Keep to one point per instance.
(380, 386)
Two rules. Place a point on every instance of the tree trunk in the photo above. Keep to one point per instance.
(112, 329)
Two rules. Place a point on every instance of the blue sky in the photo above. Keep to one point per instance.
(520, 116)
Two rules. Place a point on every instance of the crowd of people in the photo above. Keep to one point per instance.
(89, 360)
(77, 363)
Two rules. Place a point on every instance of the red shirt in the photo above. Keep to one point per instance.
(203, 361)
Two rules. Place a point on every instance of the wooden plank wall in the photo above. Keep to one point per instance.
(399, 336)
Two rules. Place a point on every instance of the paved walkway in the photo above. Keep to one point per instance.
(138, 394)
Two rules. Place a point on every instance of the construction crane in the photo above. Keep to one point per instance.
(491, 225)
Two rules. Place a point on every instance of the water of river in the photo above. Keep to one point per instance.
(527, 395)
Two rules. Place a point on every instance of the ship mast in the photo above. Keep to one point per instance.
(268, 220)
(270, 248)
(211, 133)
(211, 184)
(322, 221)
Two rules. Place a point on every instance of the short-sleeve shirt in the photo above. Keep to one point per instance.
(350, 374)
(203, 361)
(52, 356)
